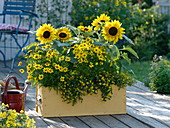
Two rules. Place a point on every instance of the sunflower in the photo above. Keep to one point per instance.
(112, 31)
(45, 33)
(101, 19)
(63, 34)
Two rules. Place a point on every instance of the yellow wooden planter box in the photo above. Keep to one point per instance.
(50, 104)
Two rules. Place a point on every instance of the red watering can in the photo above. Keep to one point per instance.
(15, 98)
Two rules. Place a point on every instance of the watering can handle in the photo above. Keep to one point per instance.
(7, 83)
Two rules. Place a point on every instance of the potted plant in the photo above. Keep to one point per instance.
(78, 61)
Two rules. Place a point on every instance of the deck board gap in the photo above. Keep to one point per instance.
(121, 121)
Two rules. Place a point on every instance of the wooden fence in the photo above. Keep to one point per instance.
(164, 8)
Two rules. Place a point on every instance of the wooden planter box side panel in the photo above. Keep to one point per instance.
(52, 106)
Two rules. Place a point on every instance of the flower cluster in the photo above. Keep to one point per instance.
(11, 119)
(79, 61)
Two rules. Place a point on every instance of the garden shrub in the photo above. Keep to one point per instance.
(159, 77)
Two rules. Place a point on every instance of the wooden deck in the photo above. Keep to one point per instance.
(145, 109)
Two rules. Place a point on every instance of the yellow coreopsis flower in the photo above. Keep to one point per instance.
(20, 63)
(61, 69)
(61, 58)
(50, 70)
(62, 78)
(65, 69)
(41, 76)
(67, 59)
(21, 70)
(37, 56)
(47, 64)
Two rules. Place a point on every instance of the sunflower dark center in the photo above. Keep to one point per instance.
(113, 31)
(86, 29)
(102, 21)
(46, 34)
(62, 35)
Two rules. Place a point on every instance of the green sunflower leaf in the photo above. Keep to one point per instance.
(113, 52)
(62, 44)
(128, 39)
(74, 29)
(125, 56)
(129, 49)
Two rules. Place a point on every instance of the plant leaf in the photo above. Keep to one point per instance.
(101, 44)
(129, 49)
(128, 39)
(62, 44)
(114, 52)
(125, 56)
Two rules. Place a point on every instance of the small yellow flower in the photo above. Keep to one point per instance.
(95, 2)
(50, 70)
(81, 23)
(21, 70)
(86, 18)
(41, 76)
(20, 63)
(61, 69)
(47, 64)
(74, 12)
(57, 66)
(61, 78)
(65, 69)
(67, 59)
(61, 58)
(21, 111)
(37, 56)
(45, 70)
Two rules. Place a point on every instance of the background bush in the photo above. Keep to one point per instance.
(145, 27)
(159, 76)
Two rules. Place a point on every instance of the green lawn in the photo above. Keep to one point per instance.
(140, 69)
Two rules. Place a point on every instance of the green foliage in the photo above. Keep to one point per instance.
(149, 36)
(140, 69)
(159, 77)
(143, 25)
(144, 3)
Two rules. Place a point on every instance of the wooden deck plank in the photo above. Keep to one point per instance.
(74, 122)
(55, 122)
(150, 108)
(142, 117)
(93, 122)
(39, 122)
(111, 121)
(132, 122)
(161, 100)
